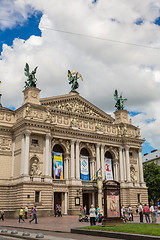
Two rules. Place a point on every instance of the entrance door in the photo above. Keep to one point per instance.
(57, 199)
(86, 201)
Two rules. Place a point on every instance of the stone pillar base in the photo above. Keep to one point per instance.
(112, 222)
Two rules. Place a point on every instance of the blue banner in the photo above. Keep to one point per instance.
(57, 166)
(84, 168)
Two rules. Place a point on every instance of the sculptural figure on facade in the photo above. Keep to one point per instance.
(34, 168)
(31, 79)
(73, 80)
(119, 101)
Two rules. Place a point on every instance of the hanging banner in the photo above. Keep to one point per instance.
(57, 166)
(84, 168)
(108, 169)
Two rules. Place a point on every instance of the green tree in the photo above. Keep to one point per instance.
(152, 179)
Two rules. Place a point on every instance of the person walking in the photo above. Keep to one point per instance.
(2, 215)
(21, 215)
(85, 210)
(140, 209)
(34, 215)
(92, 214)
(81, 209)
(31, 213)
(123, 211)
(25, 212)
(130, 214)
(146, 212)
(153, 214)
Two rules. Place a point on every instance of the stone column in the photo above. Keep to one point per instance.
(72, 160)
(13, 148)
(26, 158)
(22, 154)
(93, 168)
(116, 171)
(93, 199)
(121, 167)
(66, 167)
(91, 171)
(48, 155)
(141, 178)
(97, 156)
(65, 202)
(102, 162)
(77, 161)
(127, 164)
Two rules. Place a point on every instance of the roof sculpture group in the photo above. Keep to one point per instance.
(73, 78)
(31, 80)
(119, 101)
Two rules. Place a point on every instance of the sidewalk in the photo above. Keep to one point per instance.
(58, 224)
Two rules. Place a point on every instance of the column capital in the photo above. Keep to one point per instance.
(120, 148)
(102, 145)
(127, 147)
(48, 136)
(140, 149)
(77, 142)
(27, 132)
(73, 141)
(97, 145)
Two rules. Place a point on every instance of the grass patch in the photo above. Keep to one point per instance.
(139, 228)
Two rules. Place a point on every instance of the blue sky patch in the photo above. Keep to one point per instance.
(150, 120)
(94, 1)
(157, 21)
(132, 113)
(29, 28)
(146, 148)
(139, 21)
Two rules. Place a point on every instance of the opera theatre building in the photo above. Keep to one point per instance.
(59, 150)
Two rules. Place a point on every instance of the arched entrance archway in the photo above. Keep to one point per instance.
(58, 162)
(57, 172)
(109, 173)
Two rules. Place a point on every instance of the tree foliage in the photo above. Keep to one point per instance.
(152, 179)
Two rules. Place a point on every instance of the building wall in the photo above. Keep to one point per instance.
(67, 120)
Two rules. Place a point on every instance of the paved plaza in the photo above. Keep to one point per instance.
(58, 224)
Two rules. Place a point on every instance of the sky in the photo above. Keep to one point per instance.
(112, 44)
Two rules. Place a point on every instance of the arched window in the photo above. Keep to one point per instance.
(109, 174)
(84, 165)
(58, 162)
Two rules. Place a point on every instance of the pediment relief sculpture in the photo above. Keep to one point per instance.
(99, 127)
(76, 105)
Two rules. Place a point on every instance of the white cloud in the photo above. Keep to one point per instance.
(104, 65)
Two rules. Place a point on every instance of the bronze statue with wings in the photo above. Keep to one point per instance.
(31, 80)
(120, 101)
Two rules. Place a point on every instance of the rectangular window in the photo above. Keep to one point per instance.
(37, 196)
(34, 141)
(139, 197)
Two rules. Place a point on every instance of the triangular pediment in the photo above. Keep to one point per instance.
(73, 103)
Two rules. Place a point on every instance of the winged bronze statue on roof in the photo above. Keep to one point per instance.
(73, 79)
(31, 79)
(120, 101)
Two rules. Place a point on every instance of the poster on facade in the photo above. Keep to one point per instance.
(84, 168)
(113, 208)
(57, 166)
(108, 169)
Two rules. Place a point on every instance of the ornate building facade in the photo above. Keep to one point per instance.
(74, 127)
